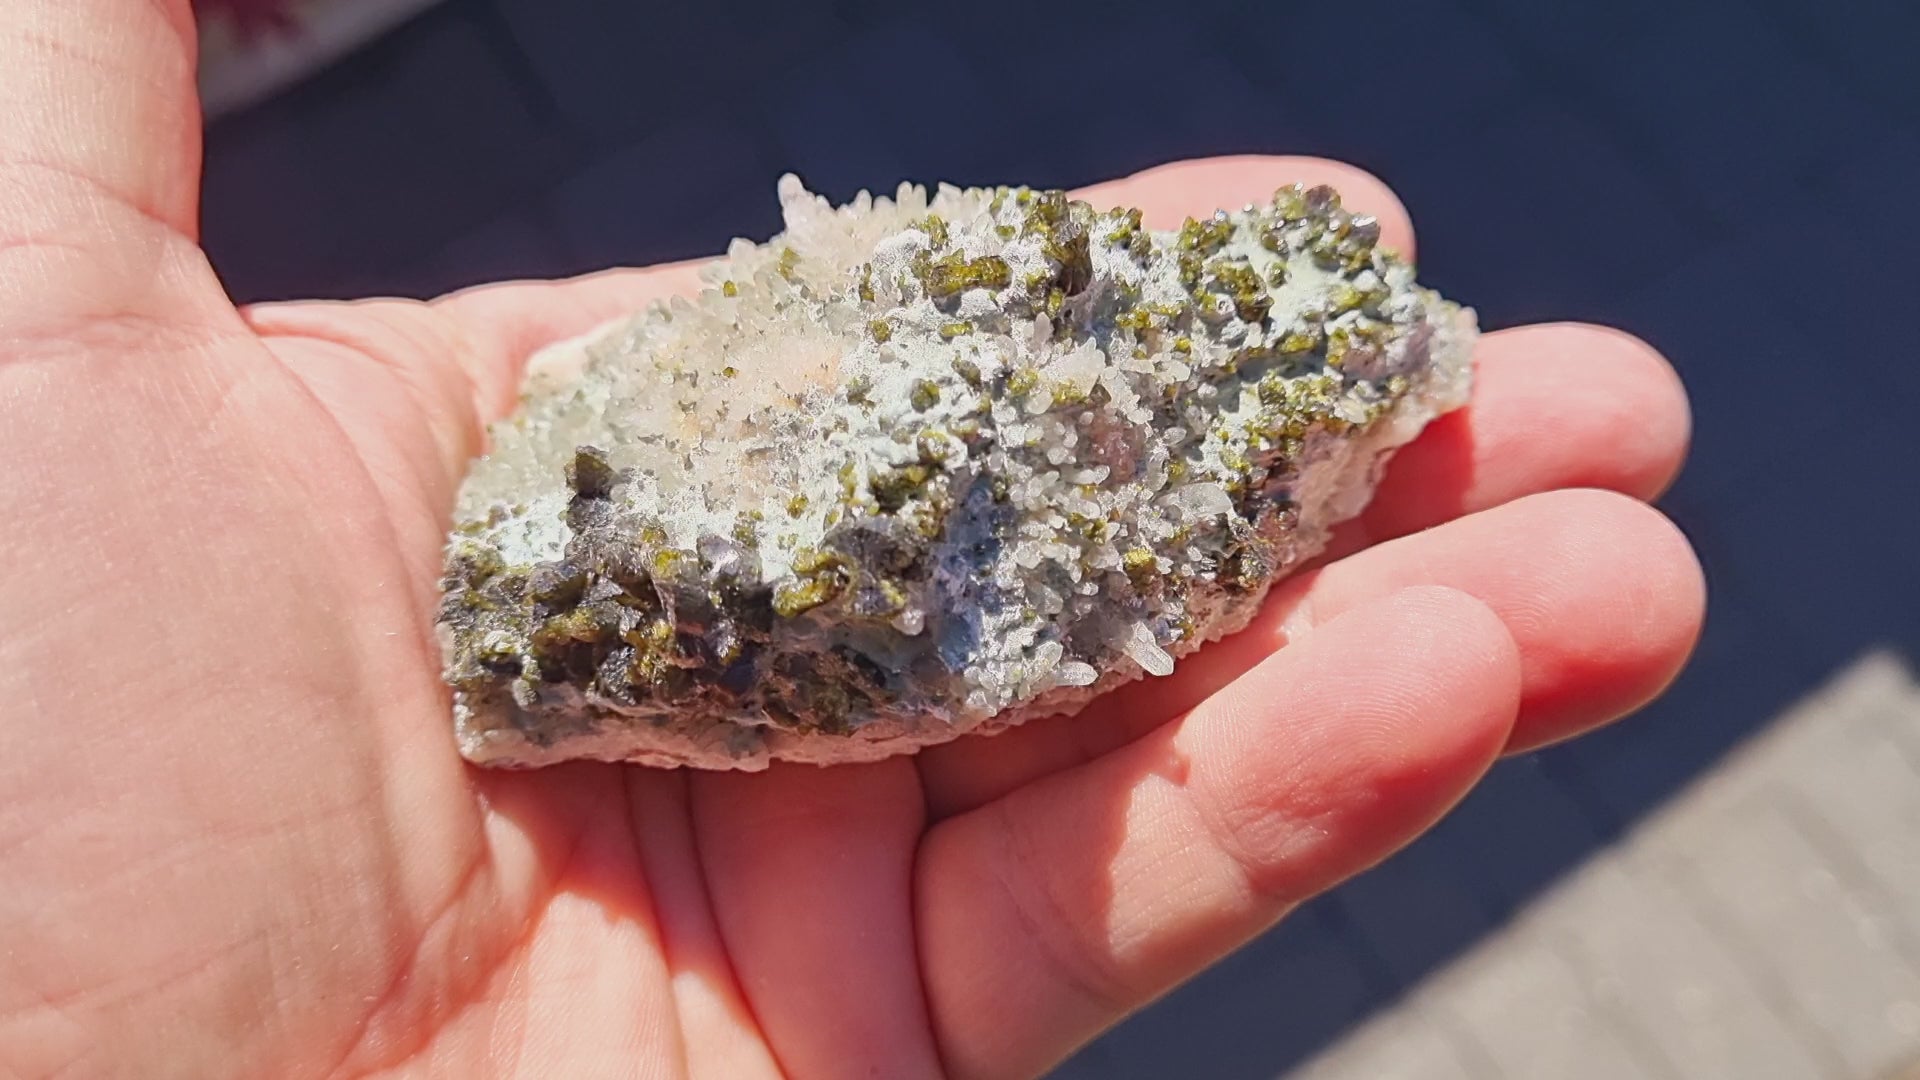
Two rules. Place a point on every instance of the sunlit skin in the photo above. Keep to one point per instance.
(236, 839)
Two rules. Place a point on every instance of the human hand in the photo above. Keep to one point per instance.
(235, 834)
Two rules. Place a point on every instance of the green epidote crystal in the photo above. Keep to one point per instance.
(924, 466)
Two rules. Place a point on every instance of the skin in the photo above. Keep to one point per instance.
(236, 837)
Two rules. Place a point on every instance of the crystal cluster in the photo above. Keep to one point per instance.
(917, 468)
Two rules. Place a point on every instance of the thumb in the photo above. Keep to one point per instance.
(99, 159)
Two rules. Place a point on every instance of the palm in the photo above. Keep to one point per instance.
(238, 841)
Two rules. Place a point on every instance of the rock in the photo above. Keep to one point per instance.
(914, 470)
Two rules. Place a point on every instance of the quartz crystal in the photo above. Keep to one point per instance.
(922, 467)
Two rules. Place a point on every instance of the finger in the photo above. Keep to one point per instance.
(99, 166)
(1553, 407)
(1050, 914)
(1577, 410)
(1602, 595)
(101, 108)
(810, 872)
(516, 319)
(717, 1030)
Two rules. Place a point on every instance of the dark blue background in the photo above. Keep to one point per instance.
(1731, 179)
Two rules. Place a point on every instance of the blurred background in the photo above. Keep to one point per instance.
(1727, 885)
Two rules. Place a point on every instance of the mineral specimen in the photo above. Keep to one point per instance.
(920, 468)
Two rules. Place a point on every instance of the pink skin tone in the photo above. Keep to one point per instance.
(235, 836)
